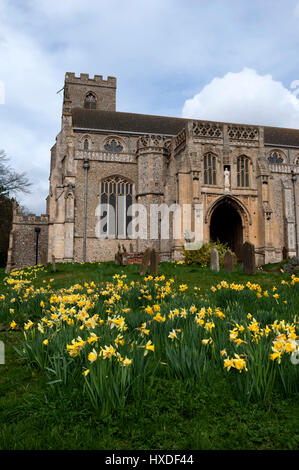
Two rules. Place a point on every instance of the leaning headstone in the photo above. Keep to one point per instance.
(145, 261)
(228, 262)
(214, 258)
(248, 255)
(154, 262)
(53, 264)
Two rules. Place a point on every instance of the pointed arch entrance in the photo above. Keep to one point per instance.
(226, 224)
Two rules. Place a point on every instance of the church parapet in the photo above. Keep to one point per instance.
(104, 156)
(207, 130)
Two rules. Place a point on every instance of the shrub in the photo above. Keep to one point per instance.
(202, 255)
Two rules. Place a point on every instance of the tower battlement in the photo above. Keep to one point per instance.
(85, 79)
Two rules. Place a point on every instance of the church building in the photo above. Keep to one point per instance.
(239, 182)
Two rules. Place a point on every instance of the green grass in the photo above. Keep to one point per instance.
(173, 414)
(68, 274)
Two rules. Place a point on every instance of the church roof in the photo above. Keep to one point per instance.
(130, 122)
(149, 124)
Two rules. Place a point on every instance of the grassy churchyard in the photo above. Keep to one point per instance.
(97, 357)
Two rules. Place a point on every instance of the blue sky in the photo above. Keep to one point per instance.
(220, 60)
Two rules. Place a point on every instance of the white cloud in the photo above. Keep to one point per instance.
(245, 97)
(160, 51)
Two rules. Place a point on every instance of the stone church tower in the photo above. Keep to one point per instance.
(232, 182)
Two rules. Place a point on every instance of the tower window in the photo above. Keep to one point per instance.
(90, 101)
(243, 172)
(209, 163)
(86, 144)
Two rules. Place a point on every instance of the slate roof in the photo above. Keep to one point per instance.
(149, 124)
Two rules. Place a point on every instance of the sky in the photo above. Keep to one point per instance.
(220, 60)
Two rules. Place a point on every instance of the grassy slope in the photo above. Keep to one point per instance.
(33, 417)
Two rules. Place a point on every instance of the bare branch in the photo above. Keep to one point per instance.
(11, 182)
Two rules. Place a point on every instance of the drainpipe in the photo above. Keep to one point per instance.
(294, 179)
(37, 231)
(86, 167)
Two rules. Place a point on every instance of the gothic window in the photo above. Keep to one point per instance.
(113, 145)
(243, 171)
(297, 161)
(90, 101)
(275, 157)
(118, 194)
(209, 164)
(86, 144)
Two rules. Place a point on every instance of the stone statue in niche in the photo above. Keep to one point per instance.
(226, 179)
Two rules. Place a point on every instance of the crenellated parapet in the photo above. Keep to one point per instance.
(32, 219)
(24, 243)
(85, 79)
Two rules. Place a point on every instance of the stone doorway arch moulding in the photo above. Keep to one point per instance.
(238, 206)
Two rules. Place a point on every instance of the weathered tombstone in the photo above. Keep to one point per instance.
(53, 264)
(228, 263)
(248, 253)
(118, 258)
(145, 261)
(214, 258)
(124, 257)
(44, 257)
(154, 262)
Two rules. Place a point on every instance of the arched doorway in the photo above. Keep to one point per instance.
(226, 226)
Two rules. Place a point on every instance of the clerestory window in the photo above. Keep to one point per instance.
(275, 157)
(209, 163)
(243, 171)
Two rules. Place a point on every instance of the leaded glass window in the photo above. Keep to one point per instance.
(113, 145)
(243, 171)
(209, 163)
(275, 157)
(117, 192)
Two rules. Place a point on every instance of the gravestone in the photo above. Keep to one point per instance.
(228, 263)
(248, 253)
(214, 258)
(118, 258)
(53, 264)
(124, 256)
(154, 262)
(145, 261)
(44, 257)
